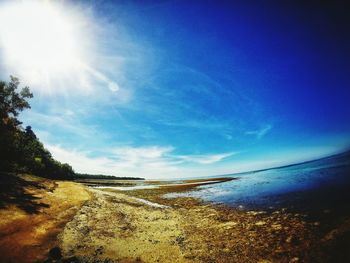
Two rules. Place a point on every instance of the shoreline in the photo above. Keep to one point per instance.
(155, 185)
(143, 226)
(205, 232)
(200, 232)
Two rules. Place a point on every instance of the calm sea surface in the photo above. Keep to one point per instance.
(322, 184)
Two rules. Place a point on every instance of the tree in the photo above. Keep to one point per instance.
(20, 149)
(12, 102)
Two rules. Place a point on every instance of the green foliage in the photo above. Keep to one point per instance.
(20, 149)
(12, 102)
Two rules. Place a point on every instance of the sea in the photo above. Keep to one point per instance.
(320, 185)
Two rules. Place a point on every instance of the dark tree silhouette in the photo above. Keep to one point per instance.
(12, 102)
(20, 149)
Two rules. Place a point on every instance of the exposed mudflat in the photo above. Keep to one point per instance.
(80, 224)
(115, 226)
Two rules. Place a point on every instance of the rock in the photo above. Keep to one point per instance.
(180, 240)
(72, 259)
(289, 239)
(253, 213)
(276, 227)
(228, 225)
(55, 253)
(99, 251)
(292, 240)
(260, 223)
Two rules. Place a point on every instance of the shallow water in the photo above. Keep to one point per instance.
(319, 184)
(153, 186)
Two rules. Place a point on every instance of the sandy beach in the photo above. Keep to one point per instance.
(82, 224)
(33, 212)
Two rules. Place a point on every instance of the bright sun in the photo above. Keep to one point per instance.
(37, 38)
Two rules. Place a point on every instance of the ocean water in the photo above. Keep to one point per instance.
(321, 184)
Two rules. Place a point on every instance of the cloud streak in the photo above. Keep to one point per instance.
(261, 132)
(206, 158)
(150, 162)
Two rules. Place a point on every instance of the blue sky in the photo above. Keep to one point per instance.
(167, 89)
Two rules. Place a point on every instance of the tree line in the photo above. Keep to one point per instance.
(103, 176)
(20, 149)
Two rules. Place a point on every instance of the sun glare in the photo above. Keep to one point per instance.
(36, 37)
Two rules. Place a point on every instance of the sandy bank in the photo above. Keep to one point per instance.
(29, 228)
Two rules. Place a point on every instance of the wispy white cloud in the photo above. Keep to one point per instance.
(206, 158)
(81, 162)
(261, 132)
(150, 162)
(66, 121)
